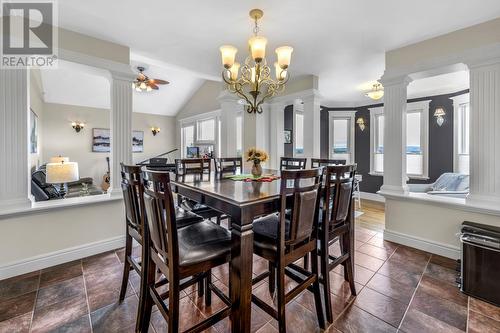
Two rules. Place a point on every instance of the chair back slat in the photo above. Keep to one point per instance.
(192, 166)
(132, 195)
(323, 162)
(337, 193)
(292, 163)
(228, 164)
(302, 187)
(160, 213)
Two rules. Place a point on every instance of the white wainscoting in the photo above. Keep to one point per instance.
(441, 249)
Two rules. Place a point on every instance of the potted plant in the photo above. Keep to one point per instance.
(257, 156)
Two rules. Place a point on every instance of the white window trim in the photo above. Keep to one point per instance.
(414, 106)
(457, 101)
(373, 113)
(294, 131)
(351, 115)
(193, 121)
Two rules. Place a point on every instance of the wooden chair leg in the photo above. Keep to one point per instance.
(218, 219)
(272, 278)
(325, 273)
(148, 300)
(306, 262)
(317, 291)
(281, 297)
(126, 267)
(201, 287)
(349, 263)
(208, 291)
(173, 307)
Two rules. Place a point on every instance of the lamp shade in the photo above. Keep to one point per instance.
(228, 54)
(439, 112)
(284, 54)
(59, 159)
(58, 173)
(258, 47)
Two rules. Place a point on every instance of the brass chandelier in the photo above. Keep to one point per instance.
(252, 81)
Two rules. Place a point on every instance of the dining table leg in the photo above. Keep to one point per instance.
(241, 273)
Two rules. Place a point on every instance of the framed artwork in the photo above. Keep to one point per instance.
(192, 152)
(101, 141)
(33, 132)
(137, 141)
(288, 136)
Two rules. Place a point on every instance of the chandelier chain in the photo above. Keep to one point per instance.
(256, 28)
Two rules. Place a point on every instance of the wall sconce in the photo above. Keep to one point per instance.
(361, 123)
(78, 126)
(155, 130)
(439, 113)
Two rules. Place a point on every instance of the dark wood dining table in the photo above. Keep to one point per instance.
(243, 202)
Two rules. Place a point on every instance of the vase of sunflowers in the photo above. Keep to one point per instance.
(256, 156)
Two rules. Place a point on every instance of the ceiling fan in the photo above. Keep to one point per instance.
(144, 83)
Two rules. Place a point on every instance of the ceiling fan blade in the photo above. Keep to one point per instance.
(158, 81)
(152, 85)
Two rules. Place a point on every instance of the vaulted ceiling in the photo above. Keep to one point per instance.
(342, 42)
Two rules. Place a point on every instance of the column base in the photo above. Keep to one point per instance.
(392, 189)
(15, 204)
(115, 192)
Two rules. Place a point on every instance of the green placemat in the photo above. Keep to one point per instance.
(250, 177)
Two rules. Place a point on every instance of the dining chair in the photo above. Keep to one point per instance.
(337, 224)
(228, 164)
(292, 163)
(323, 162)
(282, 241)
(132, 189)
(183, 256)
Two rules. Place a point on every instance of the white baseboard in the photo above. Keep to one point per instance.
(372, 196)
(441, 249)
(60, 257)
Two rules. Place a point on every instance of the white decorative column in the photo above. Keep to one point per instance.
(14, 110)
(484, 144)
(395, 96)
(230, 108)
(312, 121)
(276, 133)
(121, 127)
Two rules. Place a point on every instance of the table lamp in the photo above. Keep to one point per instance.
(62, 173)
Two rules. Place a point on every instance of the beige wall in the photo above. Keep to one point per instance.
(203, 100)
(301, 83)
(61, 139)
(486, 33)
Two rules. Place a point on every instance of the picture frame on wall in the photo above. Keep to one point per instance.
(101, 142)
(288, 136)
(33, 132)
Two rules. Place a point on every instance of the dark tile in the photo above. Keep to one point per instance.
(117, 317)
(14, 307)
(19, 285)
(441, 273)
(403, 271)
(56, 315)
(61, 291)
(362, 275)
(355, 320)
(298, 319)
(81, 325)
(217, 304)
(221, 273)
(340, 287)
(482, 324)
(441, 309)
(267, 328)
(368, 261)
(19, 324)
(410, 254)
(60, 273)
(259, 320)
(380, 242)
(362, 236)
(443, 261)
(392, 288)
(442, 290)
(417, 322)
(381, 306)
(375, 251)
(486, 309)
(94, 264)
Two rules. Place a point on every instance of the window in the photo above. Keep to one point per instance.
(417, 118)
(202, 133)
(239, 135)
(342, 135)
(206, 130)
(461, 108)
(299, 134)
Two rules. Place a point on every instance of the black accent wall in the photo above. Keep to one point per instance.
(440, 140)
(288, 125)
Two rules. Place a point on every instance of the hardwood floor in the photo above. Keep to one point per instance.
(399, 289)
(373, 216)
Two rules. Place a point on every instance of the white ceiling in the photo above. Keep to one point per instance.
(343, 42)
(76, 84)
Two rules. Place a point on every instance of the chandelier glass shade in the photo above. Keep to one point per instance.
(376, 93)
(253, 80)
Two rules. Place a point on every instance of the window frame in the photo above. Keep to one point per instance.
(422, 106)
(458, 101)
(194, 121)
(343, 115)
(294, 141)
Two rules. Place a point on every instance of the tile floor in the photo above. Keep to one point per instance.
(399, 289)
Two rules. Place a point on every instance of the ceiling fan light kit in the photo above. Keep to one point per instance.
(252, 81)
(144, 83)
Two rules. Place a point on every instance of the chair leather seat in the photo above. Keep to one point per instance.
(200, 209)
(203, 241)
(185, 217)
(266, 231)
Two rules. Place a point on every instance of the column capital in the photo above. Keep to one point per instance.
(312, 95)
(402, 80)
(478, 64)
(121, 76)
